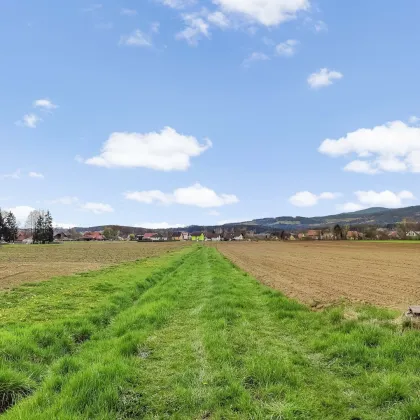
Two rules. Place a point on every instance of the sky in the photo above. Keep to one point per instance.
(161, 113)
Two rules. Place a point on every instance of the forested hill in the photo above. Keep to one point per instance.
(373, 216)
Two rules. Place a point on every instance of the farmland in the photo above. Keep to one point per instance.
(189, 335)
(22, 263)
(320, 272)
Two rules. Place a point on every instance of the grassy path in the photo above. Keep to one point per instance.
(206, 340)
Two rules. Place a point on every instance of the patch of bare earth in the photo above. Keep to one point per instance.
(26, 263)
(318, 273)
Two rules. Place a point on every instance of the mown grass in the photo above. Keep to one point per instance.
(206, 340)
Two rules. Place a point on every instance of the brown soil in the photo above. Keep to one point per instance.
(319, 273)
(26, 263)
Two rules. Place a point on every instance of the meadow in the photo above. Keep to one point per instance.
(189, 335)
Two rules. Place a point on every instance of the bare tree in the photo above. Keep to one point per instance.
(31, 221)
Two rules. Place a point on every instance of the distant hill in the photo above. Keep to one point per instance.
(379, 216)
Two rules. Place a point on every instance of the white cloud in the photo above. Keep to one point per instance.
(219, 19)
(323, 77)
(360, 166)
(29, 120)
(414, 120)
(136, 39)
(36, 175)
(58, 225)
(195, 195)
(158, 225)
(265, 12)
(66, 200)
(128, 12)
(13, 175)
(392, 147)
(255, 56)
(196, 28)
(21, 213)
(164, 151)
(45, 104)
(287, 48)
(308, 199)
(213, 213)
(383, 199)
(349, 207)
(97, 208)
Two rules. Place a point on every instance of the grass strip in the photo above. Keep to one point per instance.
(43, 322)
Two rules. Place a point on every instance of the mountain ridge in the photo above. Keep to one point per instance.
(379, 216)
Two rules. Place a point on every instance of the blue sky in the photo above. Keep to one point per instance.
(173, 112)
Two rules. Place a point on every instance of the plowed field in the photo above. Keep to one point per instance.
(27, 263)
(317, 273)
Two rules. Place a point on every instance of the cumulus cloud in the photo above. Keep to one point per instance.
(164, 151)
(29, 120)
(392, 147)
(219, 19)
(349, 207)
(255, 56)
(158, 225)
(59, 225)
(45, 104)
(287, 48)
(308, 199)
(36, 175)
(21, 213)
(195, 195)
(196, 27)
(136, 39)
(385, 198)
(372, 198)
(97, 208)
(323, 77)
(267, 13)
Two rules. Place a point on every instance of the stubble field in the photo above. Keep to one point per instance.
(27, 263)
(319, 273)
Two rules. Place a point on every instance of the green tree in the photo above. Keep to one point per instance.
(1, 225)
(338, 233)
(48, 228)
(38, 232)
(10, 228)
(110, 233)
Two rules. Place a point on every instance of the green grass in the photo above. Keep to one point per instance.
(190, 336)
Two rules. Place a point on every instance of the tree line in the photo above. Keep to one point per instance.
(39, 225)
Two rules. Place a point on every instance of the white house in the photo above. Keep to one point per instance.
(413, 234)
(185, 236)
(239, 237)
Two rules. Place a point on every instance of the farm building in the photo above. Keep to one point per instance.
(93, 236)
(213, 237)
(148, 236)
(176, 236)
(239, 237)
(61, 236)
